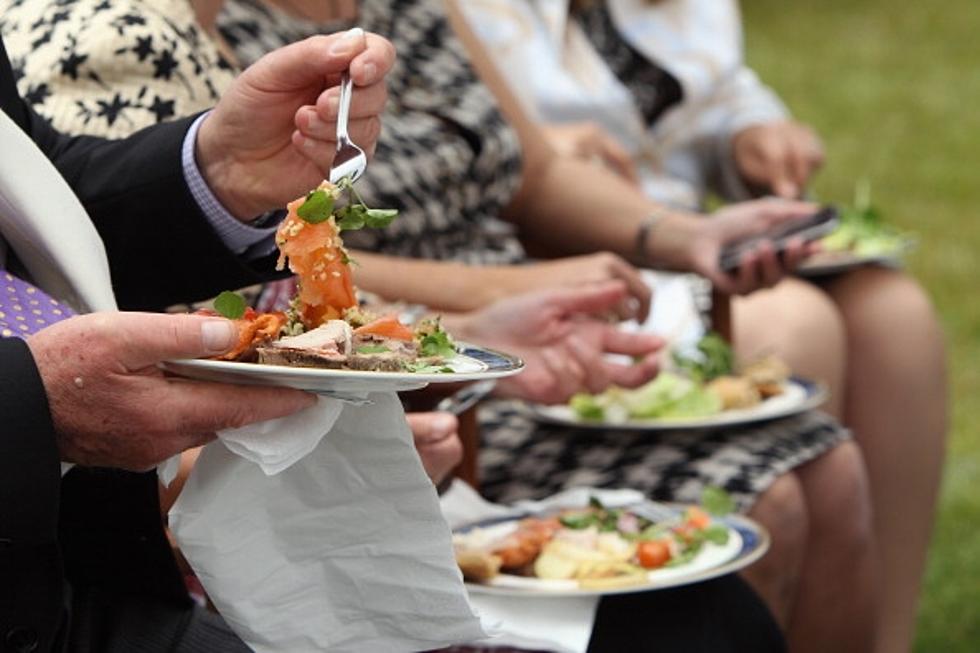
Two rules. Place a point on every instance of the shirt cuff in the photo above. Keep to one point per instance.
(237, 236)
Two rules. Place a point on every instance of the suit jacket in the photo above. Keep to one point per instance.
(97, 528)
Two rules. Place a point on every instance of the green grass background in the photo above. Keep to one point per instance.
(894, 90)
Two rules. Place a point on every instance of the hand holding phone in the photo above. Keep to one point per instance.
(809, 228)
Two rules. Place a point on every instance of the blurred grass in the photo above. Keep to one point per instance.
(894, 90)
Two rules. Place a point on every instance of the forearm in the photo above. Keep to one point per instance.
(441, 285)
(602, 213)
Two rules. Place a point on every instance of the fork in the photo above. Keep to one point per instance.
(350, 160)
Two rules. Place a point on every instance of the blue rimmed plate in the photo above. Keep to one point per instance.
(747, 542)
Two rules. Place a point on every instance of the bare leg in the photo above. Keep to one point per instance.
(835, 606)
(782, 510)
(896, 404)
(798, 323)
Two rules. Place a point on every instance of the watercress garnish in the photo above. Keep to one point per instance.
(317, 208)
(230, 305)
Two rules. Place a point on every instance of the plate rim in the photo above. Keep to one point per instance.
(817, 393)
(253, 370)
(741, 560)
(851, 262)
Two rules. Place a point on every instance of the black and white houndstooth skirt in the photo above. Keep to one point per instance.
(521, 458)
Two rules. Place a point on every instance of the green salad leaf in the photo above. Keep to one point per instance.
(714, 357)
(380, 218)
(351, 217)
(437, 343)
(230, 305)
(317, 208)
(716, 501)
(863, 231)
(587, 407)
(670, 396)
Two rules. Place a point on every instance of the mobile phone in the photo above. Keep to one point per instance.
(809, 228)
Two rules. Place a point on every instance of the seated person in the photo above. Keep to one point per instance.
(666, 91)
(87, 390)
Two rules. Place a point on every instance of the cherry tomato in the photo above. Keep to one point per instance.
(652, 554)
(697, 518)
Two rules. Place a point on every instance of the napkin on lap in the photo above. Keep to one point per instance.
(343, 550)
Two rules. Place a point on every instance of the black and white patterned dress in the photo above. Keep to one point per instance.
(450, 163)
(111, 67)
(447, 158)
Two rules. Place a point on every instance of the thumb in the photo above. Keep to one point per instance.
(147, 338)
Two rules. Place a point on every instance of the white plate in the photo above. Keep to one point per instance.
(470, 364)
(799, 395)
(823, 264)
(747, 542)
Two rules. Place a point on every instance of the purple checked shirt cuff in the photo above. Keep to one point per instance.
(240, 238)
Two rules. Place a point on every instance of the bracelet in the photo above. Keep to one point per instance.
(643, 235)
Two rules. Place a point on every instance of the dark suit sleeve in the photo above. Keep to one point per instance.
(161, 248)
(31, 588)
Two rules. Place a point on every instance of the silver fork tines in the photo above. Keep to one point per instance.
(350, 160)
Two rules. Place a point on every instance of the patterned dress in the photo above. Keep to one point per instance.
(111, 67)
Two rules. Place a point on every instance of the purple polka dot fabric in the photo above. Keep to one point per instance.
(25, 309)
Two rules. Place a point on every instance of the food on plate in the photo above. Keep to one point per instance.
(703, 383)
(254, 329)
(325, 327)
(863, 233)
(595, 546)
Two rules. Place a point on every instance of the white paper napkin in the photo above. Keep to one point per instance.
(344, 549)
(561, 624)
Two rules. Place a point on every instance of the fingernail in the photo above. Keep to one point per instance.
(309, 144)
(315, 124)
(347, 41)
(333, 101)
(443, 424)
(218, 336)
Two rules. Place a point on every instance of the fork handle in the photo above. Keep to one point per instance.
(343, 109)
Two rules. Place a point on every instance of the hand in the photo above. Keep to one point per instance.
(437, 441)
(272, 136)
(588, 141)
(761, 268)
(577, 271)
(779, 157)
(113, 407)
(562, 343)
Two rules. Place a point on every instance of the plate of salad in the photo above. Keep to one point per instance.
(862, 238)
(704, 389)
(598, 550)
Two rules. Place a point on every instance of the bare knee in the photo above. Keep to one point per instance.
(838, 500)
(874, 301)
(782, 510)
(801, 324)
(803, 313)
